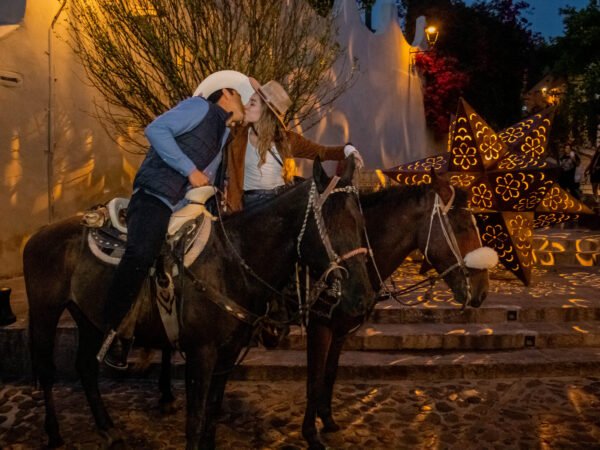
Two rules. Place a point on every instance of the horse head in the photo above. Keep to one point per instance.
(333, 245)
(451, 244)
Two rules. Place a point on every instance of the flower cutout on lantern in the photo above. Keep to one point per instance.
(435, 163)
(482, 197)
(512, 134)
(530, 202)
(533, 147)
(495, 236)
(490, 147)
(521, 228)
(463, 180)
(557, 199)
(464, 156)
(508, 187)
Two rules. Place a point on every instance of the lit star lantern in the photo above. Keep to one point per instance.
(511, 187)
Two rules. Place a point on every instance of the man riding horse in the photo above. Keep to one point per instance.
(185, 151)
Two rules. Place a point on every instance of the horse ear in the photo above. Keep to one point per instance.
(319, 175)
(441, 186)
(349, 168)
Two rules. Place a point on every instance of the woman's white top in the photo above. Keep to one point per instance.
(267, 176)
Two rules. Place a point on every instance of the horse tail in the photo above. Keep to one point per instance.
(47, 283)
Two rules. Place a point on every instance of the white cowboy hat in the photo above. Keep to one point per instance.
(225, 79)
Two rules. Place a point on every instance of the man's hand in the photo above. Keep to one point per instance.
(198, 179)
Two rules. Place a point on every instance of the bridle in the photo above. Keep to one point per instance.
(334, 288)
(315, 204)
(440, 211)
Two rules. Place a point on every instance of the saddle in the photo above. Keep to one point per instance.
(189, 227)
(187, 234)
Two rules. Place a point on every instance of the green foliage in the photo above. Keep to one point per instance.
(576, 58)
(491, 43)
(145, 56)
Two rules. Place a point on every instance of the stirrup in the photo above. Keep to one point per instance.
(108, 340)
(114, 351)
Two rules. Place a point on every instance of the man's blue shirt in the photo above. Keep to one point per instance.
(161, 133)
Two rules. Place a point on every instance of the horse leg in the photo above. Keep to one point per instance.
(318, 343)
(199, 367)
(217, 393)
(167, 399)
(90, 339)
(324, 405)
(42, 332)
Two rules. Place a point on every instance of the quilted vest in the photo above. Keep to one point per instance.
(201, 144)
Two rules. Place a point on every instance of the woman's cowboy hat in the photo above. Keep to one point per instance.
(225, 79)
(274, 96)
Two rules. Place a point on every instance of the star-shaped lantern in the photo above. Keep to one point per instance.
(511, 186)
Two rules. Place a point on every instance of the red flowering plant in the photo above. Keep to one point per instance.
(443, 86)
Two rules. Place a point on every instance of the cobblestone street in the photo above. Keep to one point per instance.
(551, 413)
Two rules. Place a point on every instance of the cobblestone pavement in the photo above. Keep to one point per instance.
(550, 413)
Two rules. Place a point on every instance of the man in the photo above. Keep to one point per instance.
(185, 151)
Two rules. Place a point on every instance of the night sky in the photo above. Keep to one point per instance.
(544, 16)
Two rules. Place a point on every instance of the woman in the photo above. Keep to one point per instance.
(259, 157)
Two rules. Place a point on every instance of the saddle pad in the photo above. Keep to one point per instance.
(109, 249)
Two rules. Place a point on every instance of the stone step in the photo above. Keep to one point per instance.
(566, 258)
(465, 337)
(278, 365)
(566, 242)
(371, 338)
(492, 312)
(564, 248)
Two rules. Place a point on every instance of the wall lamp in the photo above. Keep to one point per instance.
(431, 34)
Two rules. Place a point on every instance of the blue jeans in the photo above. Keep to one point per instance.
(147, 224)
(257, 196)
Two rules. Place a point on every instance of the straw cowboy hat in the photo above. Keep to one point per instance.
(225, 79)
(274, 96)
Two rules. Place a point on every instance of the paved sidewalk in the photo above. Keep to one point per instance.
(548, 413)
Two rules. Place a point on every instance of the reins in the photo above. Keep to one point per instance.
(315, 203)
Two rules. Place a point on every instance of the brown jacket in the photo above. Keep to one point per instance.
(236, 156)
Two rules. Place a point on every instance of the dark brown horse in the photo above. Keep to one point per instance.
(398, 221)
(432, 218)
(60, 272)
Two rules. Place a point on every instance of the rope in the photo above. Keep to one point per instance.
(441, 211)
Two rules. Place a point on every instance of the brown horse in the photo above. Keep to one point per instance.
(244, 261)
(432, 218)
(398, 221)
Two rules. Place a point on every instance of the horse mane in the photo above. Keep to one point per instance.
(407, 193)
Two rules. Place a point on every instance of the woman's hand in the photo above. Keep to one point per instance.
(350, 149)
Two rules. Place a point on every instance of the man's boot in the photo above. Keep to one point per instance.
(114, 351)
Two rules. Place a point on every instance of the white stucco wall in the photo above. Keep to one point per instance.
(88, 167)
(382, 113)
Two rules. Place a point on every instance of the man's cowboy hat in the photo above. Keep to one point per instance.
(225, 79)
(274, 96)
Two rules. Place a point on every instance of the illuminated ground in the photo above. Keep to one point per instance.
(547, 413)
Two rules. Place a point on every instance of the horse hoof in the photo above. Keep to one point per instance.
(56, 442)
(113, 438)
(168, 408)
(330, 427)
